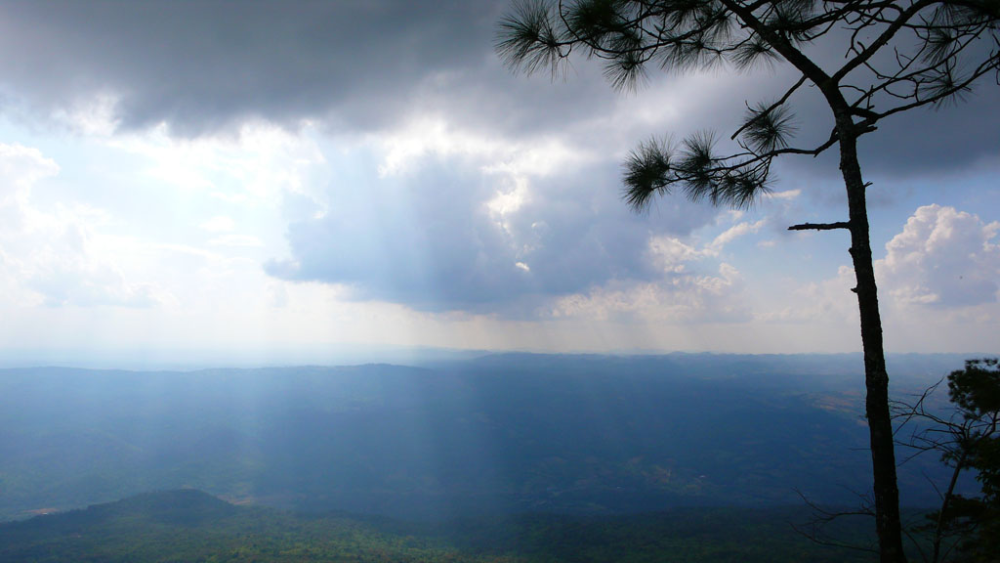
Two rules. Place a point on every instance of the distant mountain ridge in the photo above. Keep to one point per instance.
(503, 433)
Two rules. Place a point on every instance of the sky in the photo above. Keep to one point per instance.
(246, 177)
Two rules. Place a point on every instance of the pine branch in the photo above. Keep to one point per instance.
(820, 226)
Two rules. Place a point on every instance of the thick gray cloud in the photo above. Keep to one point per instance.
(201, 65)
(430, 240)
(951, 137)
(205, 66)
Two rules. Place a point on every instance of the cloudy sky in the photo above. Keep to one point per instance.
(246, 176)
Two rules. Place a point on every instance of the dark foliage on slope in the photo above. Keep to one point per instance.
(190, 525)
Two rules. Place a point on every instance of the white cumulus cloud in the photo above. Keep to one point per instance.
(943, 258)
(55, 257)
(219, 224)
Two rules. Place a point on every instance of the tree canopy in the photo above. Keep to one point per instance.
(965, 528)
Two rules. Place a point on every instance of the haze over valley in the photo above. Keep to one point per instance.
(506, 433)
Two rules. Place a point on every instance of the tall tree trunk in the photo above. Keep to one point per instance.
(888, 525)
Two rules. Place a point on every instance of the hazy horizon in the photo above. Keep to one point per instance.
(351, 355)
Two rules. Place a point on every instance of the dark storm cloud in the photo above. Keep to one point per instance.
(943, 140)
(951, 137)
(205, 66)
(201, 65)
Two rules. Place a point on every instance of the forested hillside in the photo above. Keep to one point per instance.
(190, 525)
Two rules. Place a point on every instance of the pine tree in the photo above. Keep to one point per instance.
(922, 53)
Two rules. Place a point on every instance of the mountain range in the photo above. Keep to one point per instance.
(497, 434)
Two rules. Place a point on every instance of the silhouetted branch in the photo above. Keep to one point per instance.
(958, 435)
(820, 226)
(813, 529)
(770, 108)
